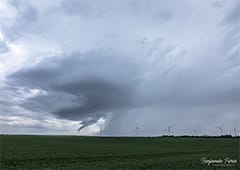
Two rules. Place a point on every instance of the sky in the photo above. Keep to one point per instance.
(119, 67)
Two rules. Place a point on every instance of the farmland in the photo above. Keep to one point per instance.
(125, 153)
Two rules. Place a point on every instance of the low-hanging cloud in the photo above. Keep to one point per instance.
(81, 84)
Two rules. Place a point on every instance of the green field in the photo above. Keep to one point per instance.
(73, 152)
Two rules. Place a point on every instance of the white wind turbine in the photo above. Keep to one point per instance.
(221, 130)
(195, 131)
(168, 129)
(236, 132)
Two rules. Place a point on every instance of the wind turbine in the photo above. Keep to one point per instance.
(169, 130)
(221, 129)
(235, 132)
(195, 131)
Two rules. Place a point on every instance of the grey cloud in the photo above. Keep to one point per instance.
(103, 64)
(84, 8)
(92, 84)
(50, 102)
(107, 9)
(82, 85)
(25, 20)
(76, 86)
(97, 96)
(234, 15)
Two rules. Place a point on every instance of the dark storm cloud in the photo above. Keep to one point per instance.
(79, 85)
(96, 96)
(101, 81)
(57, 70)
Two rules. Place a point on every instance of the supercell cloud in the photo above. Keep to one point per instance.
(106, 67)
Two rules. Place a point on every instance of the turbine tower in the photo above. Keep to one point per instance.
(169, 130)
(221, 130)
(235, 132)
(195, 131)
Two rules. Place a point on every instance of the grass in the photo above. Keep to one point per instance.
(123, 153)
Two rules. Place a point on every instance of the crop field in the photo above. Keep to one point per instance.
(125, 153)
